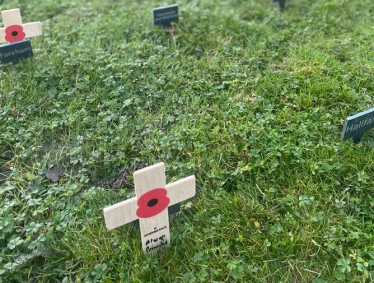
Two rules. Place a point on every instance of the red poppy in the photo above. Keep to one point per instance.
(14, 33)
(152, 203)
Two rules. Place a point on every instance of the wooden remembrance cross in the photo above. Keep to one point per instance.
(150, 206)
(14, 30)
(15, 33)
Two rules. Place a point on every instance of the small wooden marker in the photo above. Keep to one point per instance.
(355, 126)
(14, 32)
(153, 197)
(164, 16)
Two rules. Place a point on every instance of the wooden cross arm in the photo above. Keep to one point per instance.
(2, 35)
(125, 212)
(181, 190)
(30, 29)
(121, 213)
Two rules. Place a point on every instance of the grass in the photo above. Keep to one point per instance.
(248, 99)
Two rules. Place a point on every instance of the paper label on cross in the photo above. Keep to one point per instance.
(14, 30)
(150, 206)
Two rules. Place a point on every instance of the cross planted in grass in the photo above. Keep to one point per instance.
(153, 197)
(15, 32)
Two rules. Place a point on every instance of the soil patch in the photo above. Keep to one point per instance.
(123, 180)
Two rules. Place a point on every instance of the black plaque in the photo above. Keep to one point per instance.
(356, 125)
(282, 4)
(16, 51)
(174, 208)
(164, 16)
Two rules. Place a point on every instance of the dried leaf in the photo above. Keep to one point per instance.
(54, 174)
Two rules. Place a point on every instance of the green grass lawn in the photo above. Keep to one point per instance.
(248, 99)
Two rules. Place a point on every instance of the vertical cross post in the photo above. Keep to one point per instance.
(153, 197)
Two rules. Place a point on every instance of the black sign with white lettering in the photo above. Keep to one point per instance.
(164, 16)
(16, 51)
(355, 126)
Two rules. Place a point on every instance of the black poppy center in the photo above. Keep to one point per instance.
(152, 202)
(14, 33)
